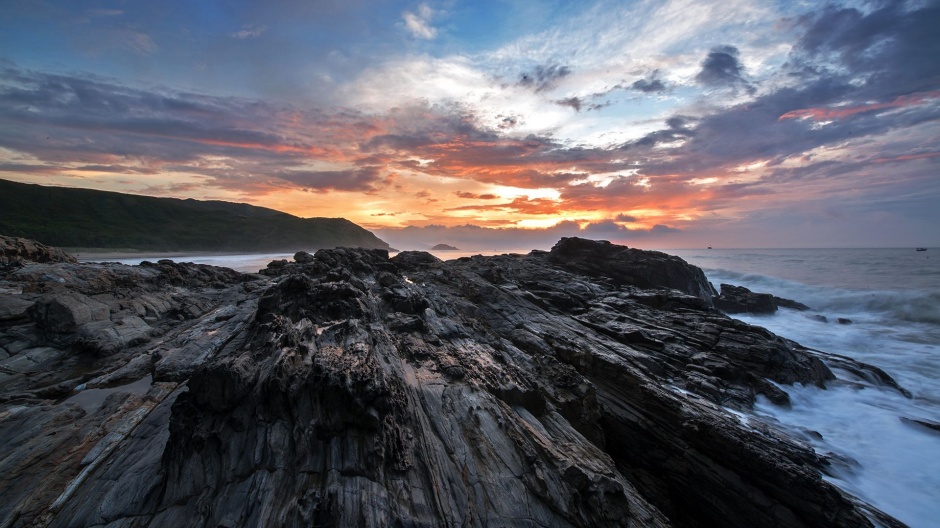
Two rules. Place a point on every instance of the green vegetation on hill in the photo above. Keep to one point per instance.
(68, 217)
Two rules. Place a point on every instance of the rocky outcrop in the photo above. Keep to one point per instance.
(350, 389)
(15, 251)
(738, 299)
(629, 266)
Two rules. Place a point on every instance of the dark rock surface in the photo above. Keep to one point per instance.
(738, 299)
(15, 251)
(586, 386)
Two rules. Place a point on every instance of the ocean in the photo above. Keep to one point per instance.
(892, 297)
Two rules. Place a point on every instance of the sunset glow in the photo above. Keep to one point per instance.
(656, 124)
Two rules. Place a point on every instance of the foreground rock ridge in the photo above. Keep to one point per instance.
(592, 385)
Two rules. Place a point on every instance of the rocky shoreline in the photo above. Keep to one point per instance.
(591, 385)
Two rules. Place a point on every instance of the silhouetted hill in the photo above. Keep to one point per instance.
(69, 217)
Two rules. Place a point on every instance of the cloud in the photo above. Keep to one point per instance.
(534, 206)
(888, 51)
(419, 22)
(572, 102)
(651, 84)
(357, 180)
(858, 87)
(141, 43)
(475, 196)
(721, 68)
(471, 237)
(104, 12)
(508, 122)
(249, 31)
(544, 77)
(840, 112)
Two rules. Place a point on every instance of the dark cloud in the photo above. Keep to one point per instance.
(26, 168)
(508, 122)
(475, 196)
(625, 218)
(889, 51)
(358, 180)
(679, 128)
(84, 122)
(860, 76)
(721, 68)
(572, 102)
(544, 77)
(651, 84)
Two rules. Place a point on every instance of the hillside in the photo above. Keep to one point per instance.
(68, 217)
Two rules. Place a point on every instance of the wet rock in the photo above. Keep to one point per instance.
(928, 424)
(791, 304)
(586, 386)
(65, 313)
(738, 299)
(302, 257)
(627, 266)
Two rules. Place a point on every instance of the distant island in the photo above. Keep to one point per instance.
(85, 218)
(444, 247)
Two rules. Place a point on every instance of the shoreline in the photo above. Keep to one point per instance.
(106, 254)
(120, 254)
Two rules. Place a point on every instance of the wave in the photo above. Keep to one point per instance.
(910, 306)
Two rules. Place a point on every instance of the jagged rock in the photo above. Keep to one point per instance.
(412, 260)
(634, 267)
(921, 422)
(738, 299)
(350, 389)
(790, 303)
(302, 257)
(109, 337)
(15, 251)
(65, 313)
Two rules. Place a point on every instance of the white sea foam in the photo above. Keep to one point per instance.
(894, 306)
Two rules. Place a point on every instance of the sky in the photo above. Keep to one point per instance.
(494, 124)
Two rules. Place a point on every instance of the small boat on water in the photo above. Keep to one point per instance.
(920, 249)
(709, 247)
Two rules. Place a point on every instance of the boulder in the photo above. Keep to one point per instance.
(738, 299)
(15, 251)
(64, 313)
(302, 257)
(628, 266)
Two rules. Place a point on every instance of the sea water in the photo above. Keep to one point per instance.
(251, 263)
(892, 297)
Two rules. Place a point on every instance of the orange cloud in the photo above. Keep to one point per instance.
(829, 114)
(907, 157)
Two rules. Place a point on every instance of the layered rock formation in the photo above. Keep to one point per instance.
(592, 385)
(738, 299)
(16, 251)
